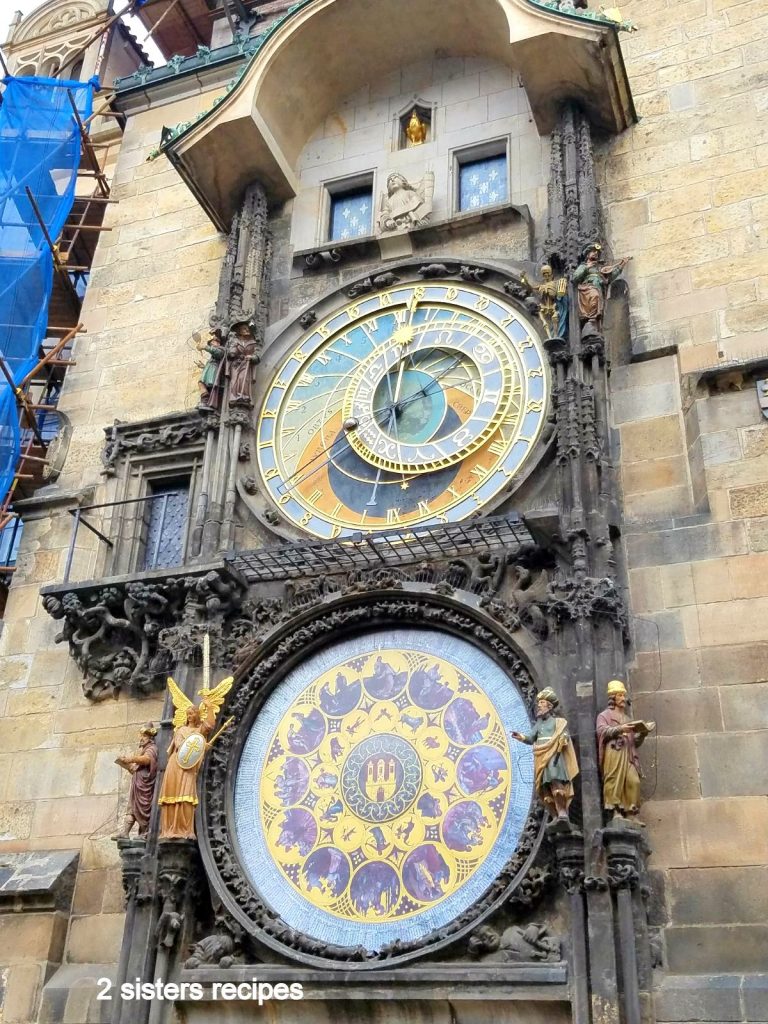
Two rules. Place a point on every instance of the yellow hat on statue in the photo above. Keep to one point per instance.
(615, 686)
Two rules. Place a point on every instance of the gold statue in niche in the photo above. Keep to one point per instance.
(416, 130)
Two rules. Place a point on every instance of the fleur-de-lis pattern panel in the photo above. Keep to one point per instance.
(482, 183)
(351, 215)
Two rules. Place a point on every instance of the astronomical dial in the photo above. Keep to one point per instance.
(417, 404)
(378, 795)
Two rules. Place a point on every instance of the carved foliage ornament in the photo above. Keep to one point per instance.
(294, 643)
(128, 636)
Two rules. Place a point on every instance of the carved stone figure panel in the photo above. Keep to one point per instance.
(405, 205)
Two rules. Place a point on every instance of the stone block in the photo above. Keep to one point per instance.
(89, 892)
(23, 984)
(728, 411)
(711, 581)
(664, 821)
(718, 895)
(754, 441)
(654, 475)
(645, 403)
(645, 590)
(748, 575)
(744, 707)
(671, 670)
(16, 821)
(114, 896)
(754, 996)
(47, 773)
(25, 734)
(720, 446)
(698, 999)
(95, 939)
(27, 937)
(467, 114)
(664, 631)
(725, 832)
(73, 816)
(464, 87)
(14, 668)
(664, 503)
(737, 622)
(747, 502)
(651, 439)
(677, 585)
(709, 949)
(680, 712)
(734, 663)
(105, 715)
(734, 764)
(671, 768)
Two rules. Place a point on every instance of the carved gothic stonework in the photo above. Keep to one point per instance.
(342, 615)
(128, 635)
(166, 434)
(244, 278)
(574, 203)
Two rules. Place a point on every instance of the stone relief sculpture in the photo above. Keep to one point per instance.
(515, 944)
(553, 301)
(192, 727)
(554, 759)
(142, 765)
(618, 738)
(404, 205)
(592, 280)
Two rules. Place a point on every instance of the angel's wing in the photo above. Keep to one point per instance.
(180, 701)
(214, 698)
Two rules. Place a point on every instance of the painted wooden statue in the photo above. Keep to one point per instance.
(554, 759)
(192, 726)
(618, 738)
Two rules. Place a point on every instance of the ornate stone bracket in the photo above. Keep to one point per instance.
(128, 632)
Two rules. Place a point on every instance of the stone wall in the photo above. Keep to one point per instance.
(684, 192)
(476, 100)
(154, 279)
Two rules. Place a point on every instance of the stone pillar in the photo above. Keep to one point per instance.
(243, 297)
(624, 848)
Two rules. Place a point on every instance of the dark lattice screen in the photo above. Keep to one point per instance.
(166, 526)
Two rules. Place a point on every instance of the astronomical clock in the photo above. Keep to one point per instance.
(372, 798)
(416, 404)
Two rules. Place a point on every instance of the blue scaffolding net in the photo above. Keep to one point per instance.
(40, 146)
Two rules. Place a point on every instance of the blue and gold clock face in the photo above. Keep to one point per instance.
(417, 404)
(378, 795)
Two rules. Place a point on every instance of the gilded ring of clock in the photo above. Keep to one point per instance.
(397, 410)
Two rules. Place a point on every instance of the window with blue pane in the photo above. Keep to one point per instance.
(166, 525)
(10, 538)
(351, 214)
(482, 183)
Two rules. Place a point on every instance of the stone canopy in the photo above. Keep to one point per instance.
(326, 49)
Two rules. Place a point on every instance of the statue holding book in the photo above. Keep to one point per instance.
(618, 739)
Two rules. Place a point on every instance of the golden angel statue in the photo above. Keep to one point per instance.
(192, 725)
